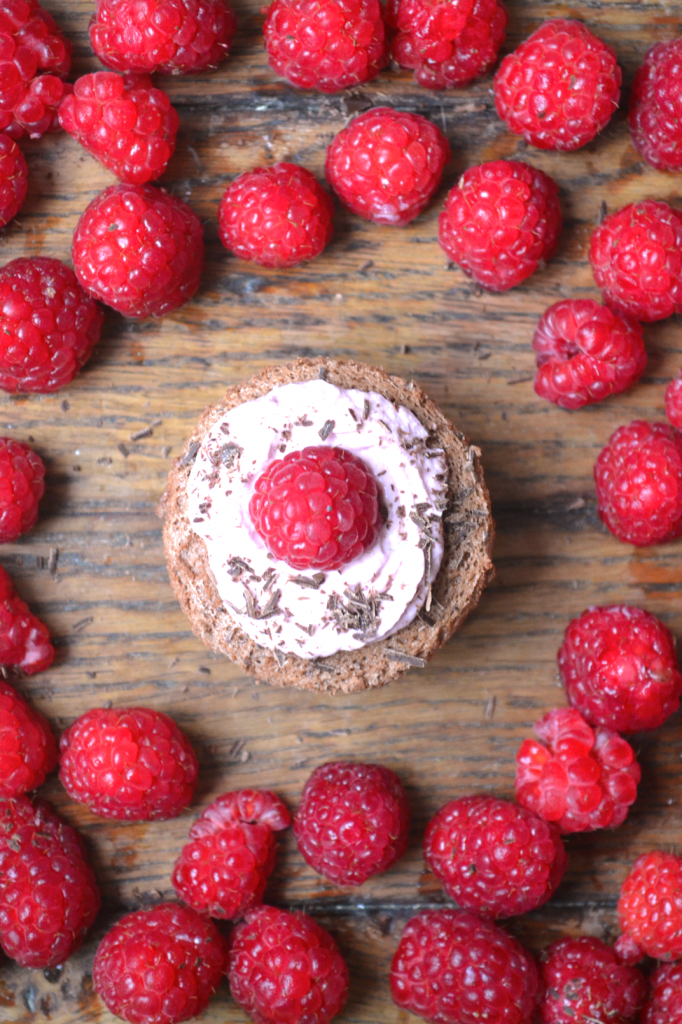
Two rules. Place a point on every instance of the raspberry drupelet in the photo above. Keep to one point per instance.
(125, 123)
(28, 750)
(13, 179)
(386, 165)
(500, 222)
(24, 640)
(175, 37)
(132, 764)
(586, 353)
(656, 107)
(353, 821)
(585, 981)
(276, 216)
(494, 858)
(450, 967)
(638, 476)
(650, 909)
(664, 1005)
(560, 87)
(139, 250)
(673, 402)
(159, 965)
(619, 668)
(224, 868)
(22, 485)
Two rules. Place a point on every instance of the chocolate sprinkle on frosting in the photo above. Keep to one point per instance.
(312, 582)
(327, 429)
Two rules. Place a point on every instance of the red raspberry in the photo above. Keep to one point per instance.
(160, 965)
(580, 779)
(276, 216)
(22, 485)
(224, 868)
(28, 751)
(352, 822)
(330, 45)
(317, 508)
(586, 353)
(125, 123)
(48, 893)
(650, 909)
(501, 220)
(636, 257)
(655, 107)
(673, 402)
(24, 639)
(585, 981)
(48, 325)
(560, 87)
(171, 36)
(452, 968)
(638, 475)
(665, 999)
(492, 857)
(139, 250)
(619, 667)
(132, 764)
(435, 26)
(386, 164)
(284, 967)
(13, 179)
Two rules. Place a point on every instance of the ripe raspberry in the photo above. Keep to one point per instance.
(655, 107)
(435, 26)
(28, 750)
(352, 822)
(175, 37)
(48, 325)
(24, 639)
(650, 908)
(638, 475)
(329, 46)
(619, 667)
(673, 402)
(585, 353)
(501, 220)
(13, 179)
(580, 779)
(160, 965)
(284, 967)
(125, 123)
(585, 981)
(386, 164)
(492, 857)
(560, 87)
(665, 1000)
(22, 485)
(636, 257)
(452, 968)
(139, 250)
(48, 893)
(132, 764)
(317, 508)
(224, 868)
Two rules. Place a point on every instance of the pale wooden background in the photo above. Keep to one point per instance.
(384, 296)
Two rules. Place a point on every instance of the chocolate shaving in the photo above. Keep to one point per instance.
(359, 615)
(52, 561)
(280, 657)
(269, 577)
(123, 450)
(366, 408)
(229, 454)
(236, 566)
(409, 659)
(351, 413)
(303, 421)
(190, 455)
(139, 434)
(311, 582)
(326, 429)
(322, 373)
(79, 626)
(310, 630)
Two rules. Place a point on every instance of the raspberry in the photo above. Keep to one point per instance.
(317, 508)
(132, 764)
(451, 968)
(284, 967)
(139, 250)
(619, 668)
(585, 981)
(170, 36)
(579, 778)
(24, 639)
(655, 107)
(386, 164)
(501, 220)
(48, 325)
(650, 908)
(276, 216)
(585, 353)
(636, 257)
(560, 87)
(435, 26)
(673, 402)
(330, 45)
(48, 893)
(125, 123)
(13, 179)
(160, 965)
(224, 868)
(352, 822)
(665, 999)
(492, 857)
(22, 485)
(28, 751)
(638, 475)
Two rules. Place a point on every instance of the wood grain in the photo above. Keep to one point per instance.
(385, 296)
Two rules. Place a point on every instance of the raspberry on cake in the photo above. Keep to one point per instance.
(22, 485)
(650, 909)
(585, 981)
(24, 640)
(13, 179)
(655, 107)
(664, 1005)
(28, 750)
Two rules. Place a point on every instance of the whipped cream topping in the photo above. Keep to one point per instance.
(315, 614)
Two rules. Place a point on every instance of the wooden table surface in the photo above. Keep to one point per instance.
(385, 296)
